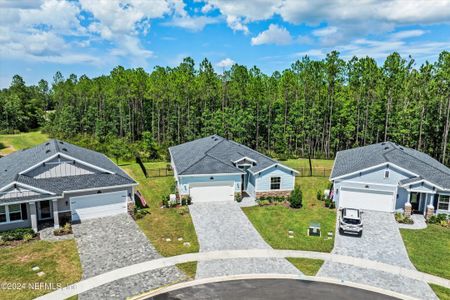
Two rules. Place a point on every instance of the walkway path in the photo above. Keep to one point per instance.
(155, 264)
(381, 241)
(224, 226)
(111, 243)
(419, 223)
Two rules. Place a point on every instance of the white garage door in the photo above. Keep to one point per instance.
(366, 199)
(214, 191)
(98, 205)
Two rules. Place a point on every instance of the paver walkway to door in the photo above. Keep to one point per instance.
(381, 241)
(224, 226)
(109, 243)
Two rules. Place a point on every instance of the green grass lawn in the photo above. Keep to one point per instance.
(442, 292)
(58, 260)
(189, 268)
(308, 266)
(429, 249)
(304, 163)
(274, 222)
(13, 142)
(163, 223)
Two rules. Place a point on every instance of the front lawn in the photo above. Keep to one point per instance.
(304, 163)
(429, 248)
(274, 222)
(13, 142)
(442, 292)
(163, 223)
(307, 266)
(58, 260)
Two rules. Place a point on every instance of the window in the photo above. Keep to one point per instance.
(275, 183)
(2, 214)
(443, 202)
(386, 174)
(15, 212)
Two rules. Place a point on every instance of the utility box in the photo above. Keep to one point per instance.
(314, 229)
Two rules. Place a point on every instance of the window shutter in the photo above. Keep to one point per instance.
(24, 211)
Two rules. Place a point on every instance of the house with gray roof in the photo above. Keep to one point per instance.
(389, 177)
(57, 181)
(215, 169)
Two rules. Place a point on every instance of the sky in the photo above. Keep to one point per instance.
(40, 37)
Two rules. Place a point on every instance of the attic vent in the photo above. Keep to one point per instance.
(216, 139)
(385, 148)
(61, 142)
(46, 144)
(47, 151)
(383, 144)
(401, 148)
(64, 149)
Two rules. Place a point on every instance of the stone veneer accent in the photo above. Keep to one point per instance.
(408, 209)
(273, 193)
(430, 211)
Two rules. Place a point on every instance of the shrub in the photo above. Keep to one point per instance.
(16, 234)
(439, 219)
(140, 213)
(238, 197)
(444, 223)
(319, 196)
(183, 201)
(332, 204)
(165, 201)
(263, 202)
(401, 218)
(327, 202)
(189, 200)
(66, 229)
(27, 237)
(296, 198)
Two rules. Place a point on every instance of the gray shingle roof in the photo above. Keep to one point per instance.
(215, 154)
(421, 164)
(11, 165)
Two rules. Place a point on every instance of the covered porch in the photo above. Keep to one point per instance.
(45, 213)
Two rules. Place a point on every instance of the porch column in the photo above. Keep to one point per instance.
(430, 207)
(33, 216)
(408, 207)
(55, 213)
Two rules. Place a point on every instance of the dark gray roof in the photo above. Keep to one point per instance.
(11, 165)
(215, 154)
(419, 163)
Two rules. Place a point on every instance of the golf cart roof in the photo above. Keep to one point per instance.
(351, 213)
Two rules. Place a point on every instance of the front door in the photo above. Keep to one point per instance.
(45, 210)
(415, 202)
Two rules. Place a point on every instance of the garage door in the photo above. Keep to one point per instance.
(212, 192)
(366, 199)
(98, 205)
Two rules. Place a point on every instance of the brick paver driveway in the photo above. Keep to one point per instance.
(109, 243)
(381, 241)
(224, 226)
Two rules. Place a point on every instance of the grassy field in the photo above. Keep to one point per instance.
(274, 222)
(304, 163)
(308, 266)
(442, 292)
(58, 260)
(13, 142)
(163, 223)
(430, 256)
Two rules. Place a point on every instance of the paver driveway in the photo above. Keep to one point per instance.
(109, 243)
(224, 226)
(381, 241)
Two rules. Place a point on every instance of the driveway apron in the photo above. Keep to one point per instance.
(109, 243)
(224, 226)
(381, 241)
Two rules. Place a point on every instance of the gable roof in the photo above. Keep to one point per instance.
(422, 165)
(213, 155)
(13, 165)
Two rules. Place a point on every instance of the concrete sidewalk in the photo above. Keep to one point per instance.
(111, 276)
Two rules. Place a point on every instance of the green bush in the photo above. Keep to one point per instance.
(401, 218)
(183, 201)
(319, 196)
(332, 205)
(238, 197)
(327, 202)
(263, 202)
(296, 198)
(437, 219)
(16, 234)
(189, 200)
(165, 201)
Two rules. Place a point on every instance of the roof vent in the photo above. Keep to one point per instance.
(46, 144)
(47, 151)
(64, 149)
(401, 148)
(386, 148)
(61, 142)
(383, 144)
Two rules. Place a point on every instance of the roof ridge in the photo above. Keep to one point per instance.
(243, 146)
(416, 158)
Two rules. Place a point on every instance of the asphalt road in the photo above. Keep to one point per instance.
(264, 289)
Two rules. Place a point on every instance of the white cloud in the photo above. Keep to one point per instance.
(192, 23)
(325, 31)
(274, 35)
(407, 34)
(225, 63)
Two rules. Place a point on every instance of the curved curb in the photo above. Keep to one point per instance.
(98, 280)
(196, 282)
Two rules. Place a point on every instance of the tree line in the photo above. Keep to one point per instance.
(314, 108)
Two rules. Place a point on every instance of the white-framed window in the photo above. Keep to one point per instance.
(443, 202)
(3, 214)
(15, 212)
(10, 213)
(275, 183)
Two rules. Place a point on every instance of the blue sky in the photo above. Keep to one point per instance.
(40, 37)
